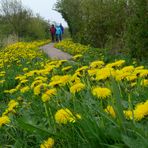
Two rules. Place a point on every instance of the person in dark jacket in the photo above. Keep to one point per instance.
(52, 32)
(62, 28)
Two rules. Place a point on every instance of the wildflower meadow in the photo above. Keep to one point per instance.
(70, 104)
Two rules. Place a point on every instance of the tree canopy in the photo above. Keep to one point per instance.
(108, 23)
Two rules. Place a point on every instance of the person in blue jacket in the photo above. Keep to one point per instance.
(58, 33)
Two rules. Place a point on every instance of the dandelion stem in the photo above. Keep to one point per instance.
(47, 114)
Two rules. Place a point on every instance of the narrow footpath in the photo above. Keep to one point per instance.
(55, 53)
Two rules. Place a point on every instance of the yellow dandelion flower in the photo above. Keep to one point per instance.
(51, 92)
(128, 114)
(77, 74)
(25, 69)
(65, 79)
(44, 79)
(45, 97)
(23, 81)
(103, 73)
(21, 77)
(48, 94)
(66, 68)
(139, 68)
(25, 89)
(11, 107)
(37, 89)
(4, 120)
(12, 104)
(110, 65)
(77, 87)
(55, 78)
(92, 72)
(18, 86)
(44, 72)
(48, 143)
(110, 110)
(11, 91)
(141, 110)
(144, 82)
(35, 83)
(60, 80)
(2, 72)
(143, 73)
(82, 69)
(2, 81)
(31, 73)
(63, 61)
(97, 64)
(120, 75)
(77, 56)
(63, 116)
(54, 83)
(101, 92)
(119, 63)
(115, 64)
(2, 75)
(131, 77)
(128, 69)
(75, 79)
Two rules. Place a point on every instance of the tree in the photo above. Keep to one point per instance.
(137, 28)
(71, 12)
(123, 23)
(16, 15)
(19, 21)
(38, 28)
(93, 21)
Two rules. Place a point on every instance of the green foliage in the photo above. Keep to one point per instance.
(94, 21)
(71, 8)
(137, 29)
(17, 20)
(117, 24)
(33, 120)
(37, 29)
(66, 33)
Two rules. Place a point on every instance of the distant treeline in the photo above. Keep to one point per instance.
(20, 22)
(117, 24)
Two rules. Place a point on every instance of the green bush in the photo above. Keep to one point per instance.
(137, 29)
(117, 25)
(17, 20)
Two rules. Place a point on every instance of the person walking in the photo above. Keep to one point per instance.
(58, 33)
(52, 32)
(62, 28)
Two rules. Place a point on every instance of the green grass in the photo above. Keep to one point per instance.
(34, 121)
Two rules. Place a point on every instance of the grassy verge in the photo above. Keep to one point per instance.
(59, 103)
(91, 54)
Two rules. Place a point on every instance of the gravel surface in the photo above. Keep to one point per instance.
(54, 53)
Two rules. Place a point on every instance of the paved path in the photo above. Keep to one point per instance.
(54, 53)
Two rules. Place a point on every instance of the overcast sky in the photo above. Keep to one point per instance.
(44, 8)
